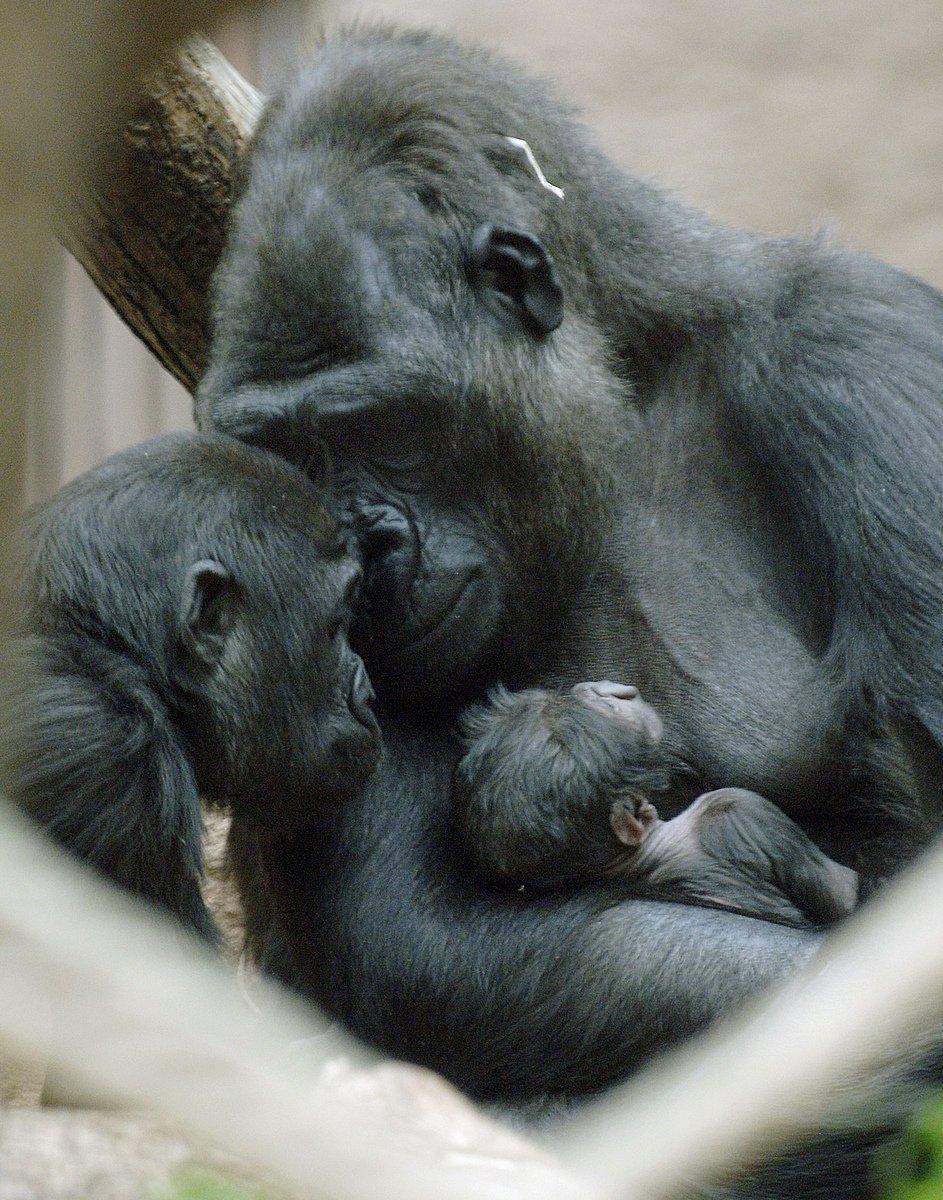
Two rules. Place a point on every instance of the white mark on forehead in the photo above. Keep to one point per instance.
(520, 144)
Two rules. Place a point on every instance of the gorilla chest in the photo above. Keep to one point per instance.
(713, 619)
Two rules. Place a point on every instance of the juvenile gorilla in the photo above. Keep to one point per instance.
(555, 789)
(186, 607)
(578, 437)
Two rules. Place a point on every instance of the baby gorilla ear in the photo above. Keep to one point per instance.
(632, 817)
(205, 613)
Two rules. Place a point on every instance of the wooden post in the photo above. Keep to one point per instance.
(148, 224)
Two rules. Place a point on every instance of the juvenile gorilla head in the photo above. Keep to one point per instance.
(472, 431)
(542, 773)
(186, 607)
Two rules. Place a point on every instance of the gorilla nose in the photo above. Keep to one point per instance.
(362, 694)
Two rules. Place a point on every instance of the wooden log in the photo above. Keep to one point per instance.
(148, 222)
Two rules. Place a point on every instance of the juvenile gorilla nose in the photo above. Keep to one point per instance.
(362, 694)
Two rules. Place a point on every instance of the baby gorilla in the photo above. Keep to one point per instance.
(185, 615)
(556, 788)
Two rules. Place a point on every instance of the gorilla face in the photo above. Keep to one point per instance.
(276, 705)
(386, 286)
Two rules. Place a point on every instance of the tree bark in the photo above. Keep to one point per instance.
(148, 222)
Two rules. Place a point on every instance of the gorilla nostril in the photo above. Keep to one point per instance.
(390, 553)
(362, 694)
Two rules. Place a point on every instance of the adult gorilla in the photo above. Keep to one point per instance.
(581, 437)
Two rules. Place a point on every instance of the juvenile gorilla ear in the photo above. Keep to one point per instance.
(514, 267)
(205, 614)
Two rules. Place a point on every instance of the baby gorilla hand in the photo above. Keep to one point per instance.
(622, 702)
(631, 819)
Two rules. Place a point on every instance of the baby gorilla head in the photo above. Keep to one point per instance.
(546, 779)
(557, 789)
(185, 612)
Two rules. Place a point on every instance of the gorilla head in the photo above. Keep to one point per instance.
(389, 279)
(186, 607)
(553, 786)
(595, 435)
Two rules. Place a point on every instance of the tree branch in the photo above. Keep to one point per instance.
(148, 224)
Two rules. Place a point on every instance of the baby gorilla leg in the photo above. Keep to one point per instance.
(737, 850)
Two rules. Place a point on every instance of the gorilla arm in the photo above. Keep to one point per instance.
(832, 399)
(509, 994)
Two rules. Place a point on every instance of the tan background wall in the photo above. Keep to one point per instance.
(779, 114)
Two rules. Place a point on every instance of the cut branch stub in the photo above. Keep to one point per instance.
(148, 226)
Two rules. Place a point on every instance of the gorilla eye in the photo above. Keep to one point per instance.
(339, 622)
(342, 615)
(429, 198)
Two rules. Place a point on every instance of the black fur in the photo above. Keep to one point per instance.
(557, 788)
(381, 916)
(718, 478)
(184, 621)
(541, 773)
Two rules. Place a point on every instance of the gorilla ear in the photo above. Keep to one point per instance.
(515, 268)
(205, 614)
(626, 825)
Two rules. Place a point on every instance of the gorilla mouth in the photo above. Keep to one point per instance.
(441, 652)
(456, 611)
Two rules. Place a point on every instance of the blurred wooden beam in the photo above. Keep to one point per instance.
(137, 1014)
(148, 224)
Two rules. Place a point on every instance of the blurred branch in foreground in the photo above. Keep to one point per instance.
(811, 1057)
(118, 999)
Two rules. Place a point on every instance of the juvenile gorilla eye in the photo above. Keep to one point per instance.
(340, 619)
(352, 591)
